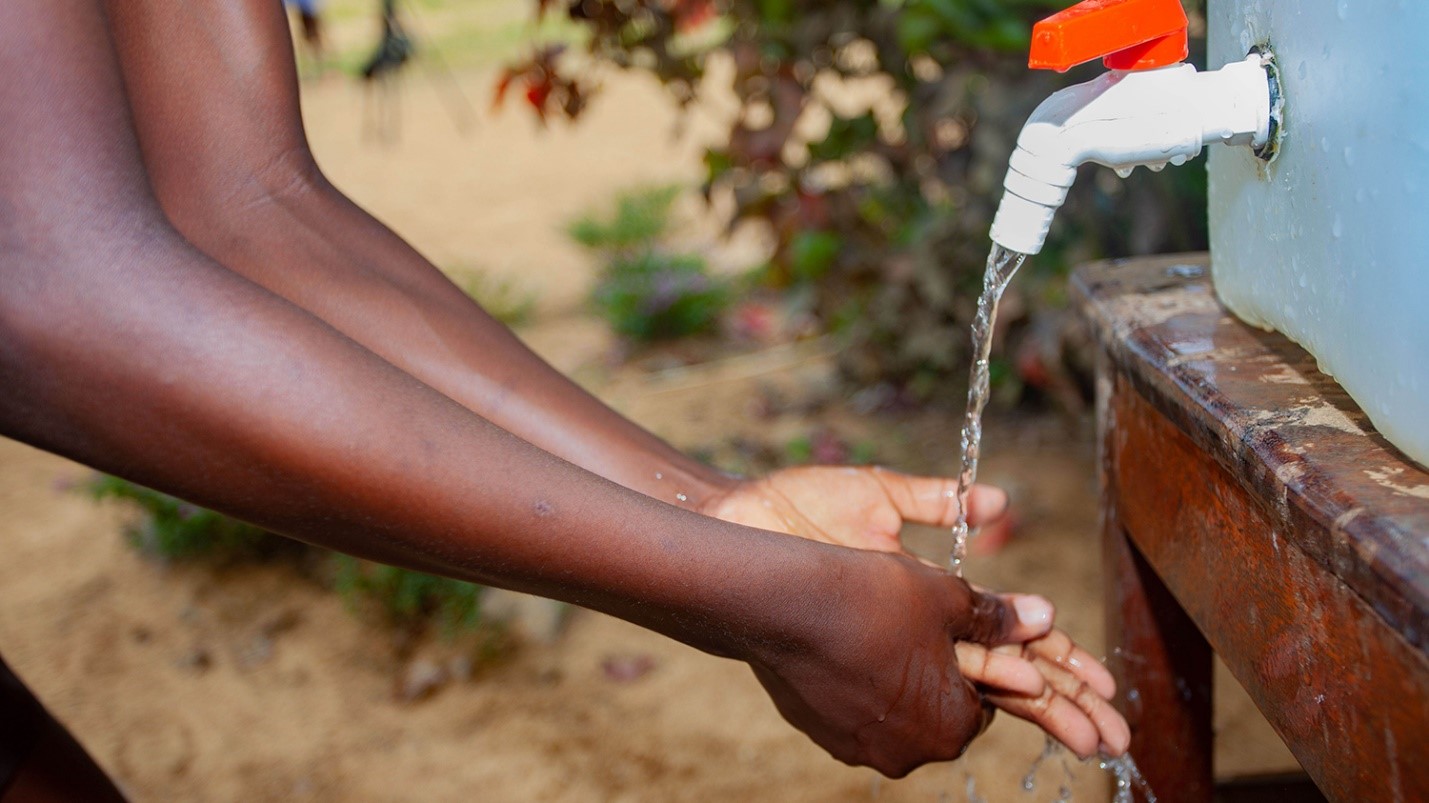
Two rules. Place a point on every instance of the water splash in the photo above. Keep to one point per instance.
(973, 796)
(1001, 265)
(1051, 748)
(1128, 779)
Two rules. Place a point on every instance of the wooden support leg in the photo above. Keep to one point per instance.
(1162, 666)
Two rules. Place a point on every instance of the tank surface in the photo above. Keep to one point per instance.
(1329, 244)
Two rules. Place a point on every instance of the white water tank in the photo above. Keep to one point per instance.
(1330, 243)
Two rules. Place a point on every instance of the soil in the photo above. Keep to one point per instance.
(253, 682)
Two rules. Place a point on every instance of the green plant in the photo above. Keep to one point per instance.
(640, 222)
(502, 298)
(173, 529)
(872, 136)
(645, 290)
(408, 598)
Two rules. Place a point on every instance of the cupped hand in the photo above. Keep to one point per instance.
(1048, 680)
(1074, 706)
(874, 677)
(863, 507)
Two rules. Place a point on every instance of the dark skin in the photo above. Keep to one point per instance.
(276, 354)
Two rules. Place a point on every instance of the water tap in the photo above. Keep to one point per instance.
(1151, 108)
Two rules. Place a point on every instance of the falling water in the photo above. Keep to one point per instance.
(1128, 779)
(1001, 265)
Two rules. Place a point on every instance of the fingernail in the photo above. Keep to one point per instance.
(1033, 611)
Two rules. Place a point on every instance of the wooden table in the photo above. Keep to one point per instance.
(1251, 508)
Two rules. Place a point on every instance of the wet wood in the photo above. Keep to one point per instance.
(1163, 670)
(1254, 491)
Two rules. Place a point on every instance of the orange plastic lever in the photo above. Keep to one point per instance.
(1125, 34)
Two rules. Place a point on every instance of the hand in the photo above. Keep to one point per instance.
(1074, 706)
(874, 677)
(859, 507)
(1049, 681)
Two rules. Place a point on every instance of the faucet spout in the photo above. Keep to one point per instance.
(1123, 119)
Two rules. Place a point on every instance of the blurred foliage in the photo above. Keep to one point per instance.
(646, 290)
(502, 298)
(172, 529)
(409, 598)
(872, 136)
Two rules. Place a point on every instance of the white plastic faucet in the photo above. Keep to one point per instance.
(1151, 109)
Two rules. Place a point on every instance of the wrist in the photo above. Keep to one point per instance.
(693, 486)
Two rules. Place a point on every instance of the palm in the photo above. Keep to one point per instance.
(844, 506)
(859, 507)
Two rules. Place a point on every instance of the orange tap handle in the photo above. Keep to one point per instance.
(1124, 34)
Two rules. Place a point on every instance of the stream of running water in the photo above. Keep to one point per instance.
(1001, 265)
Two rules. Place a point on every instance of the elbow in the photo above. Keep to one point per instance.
(220, 199)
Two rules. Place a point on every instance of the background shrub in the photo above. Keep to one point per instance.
(882, 212)
(647, 290)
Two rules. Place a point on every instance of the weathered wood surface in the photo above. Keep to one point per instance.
(1293, 535)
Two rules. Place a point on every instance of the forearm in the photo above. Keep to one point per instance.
(217, 113)
(331, 258)
(161, 366)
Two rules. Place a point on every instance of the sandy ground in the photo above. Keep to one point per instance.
(253, 683)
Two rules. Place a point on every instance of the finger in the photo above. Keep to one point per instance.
(1035, 615)
(990, 669)
(994, 619)
(1110, 724)
(1056, 715)
(934, 500)
(1058, 648)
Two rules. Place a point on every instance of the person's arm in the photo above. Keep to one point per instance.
(215, 95)
(216, 105)
(216, 109)
(123, 347)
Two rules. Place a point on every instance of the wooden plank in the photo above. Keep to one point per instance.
(1255, 403)
(1161, 663)
(1342, 687)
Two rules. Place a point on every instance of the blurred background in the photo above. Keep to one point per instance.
(758, 228)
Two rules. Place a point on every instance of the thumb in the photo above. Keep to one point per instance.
(994, 619)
